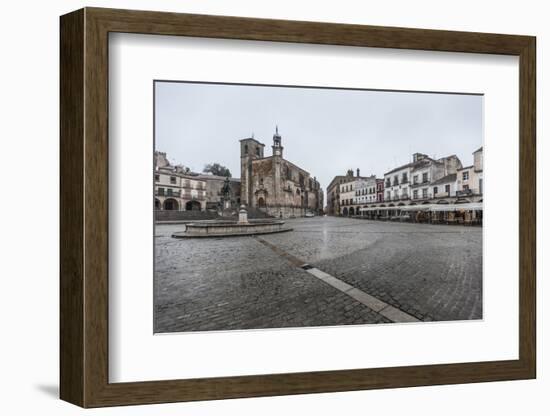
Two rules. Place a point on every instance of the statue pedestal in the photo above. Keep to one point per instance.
(243, 215)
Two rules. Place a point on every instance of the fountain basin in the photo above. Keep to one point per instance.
(222, 228)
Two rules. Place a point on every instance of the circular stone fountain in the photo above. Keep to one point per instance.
(232, 228)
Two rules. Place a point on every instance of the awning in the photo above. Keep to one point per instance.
(424, 207)
(372, 209)
(470, 206)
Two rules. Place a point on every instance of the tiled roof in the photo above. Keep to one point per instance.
(445, 179)
(413, 165)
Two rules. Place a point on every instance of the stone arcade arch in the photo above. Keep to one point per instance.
(170, 204)
(193, 206)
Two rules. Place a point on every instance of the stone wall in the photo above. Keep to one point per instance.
(184, 215)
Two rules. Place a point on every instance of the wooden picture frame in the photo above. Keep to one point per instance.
(84, 207)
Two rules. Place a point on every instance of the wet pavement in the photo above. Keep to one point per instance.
(431, 272)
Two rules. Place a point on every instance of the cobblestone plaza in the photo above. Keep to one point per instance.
(359, 272)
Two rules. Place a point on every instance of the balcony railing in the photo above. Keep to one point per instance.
(189, 186)
(176, 194)
(464, 192)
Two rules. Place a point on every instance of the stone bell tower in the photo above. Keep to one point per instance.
(277, 147)
(277, 165)
(251, 149)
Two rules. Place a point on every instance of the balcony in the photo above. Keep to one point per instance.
(189, 186)
(464, 192)
(174, 194)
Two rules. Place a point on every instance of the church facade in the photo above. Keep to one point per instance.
(275, 185)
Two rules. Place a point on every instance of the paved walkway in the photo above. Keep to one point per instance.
(359, 272)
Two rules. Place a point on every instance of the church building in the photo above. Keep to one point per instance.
(275, 185)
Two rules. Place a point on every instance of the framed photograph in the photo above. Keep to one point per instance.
(255, 207)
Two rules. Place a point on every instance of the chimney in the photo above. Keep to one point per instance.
(357, 172)
(419, 156)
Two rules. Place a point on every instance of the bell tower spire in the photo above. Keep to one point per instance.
(277, 147)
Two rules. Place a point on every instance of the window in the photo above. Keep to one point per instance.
(169, 192)
(415, 194)
(435, 190)
(465, 175)
(404, 178)
(415, 179)
(395, 180)
(157, 177)
(246, 148)
(389, 195)
(172, 179)
(257, 151)
(425, 177)
(448, 189)
(465, 187)
(261, 181)
(425, 193)
(388, 184)
(481, 186)
(161, 191)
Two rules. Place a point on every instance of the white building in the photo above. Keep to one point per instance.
(176, 189)
(396, 183)
(365, 190)
(444, 187)
(413, 180)
(356, 190)
(470, 178)
(347, 196)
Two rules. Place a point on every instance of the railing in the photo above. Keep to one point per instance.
(465, 192)
(176, 194)
(198, 188)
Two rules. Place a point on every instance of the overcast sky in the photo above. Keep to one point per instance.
(324, 131)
